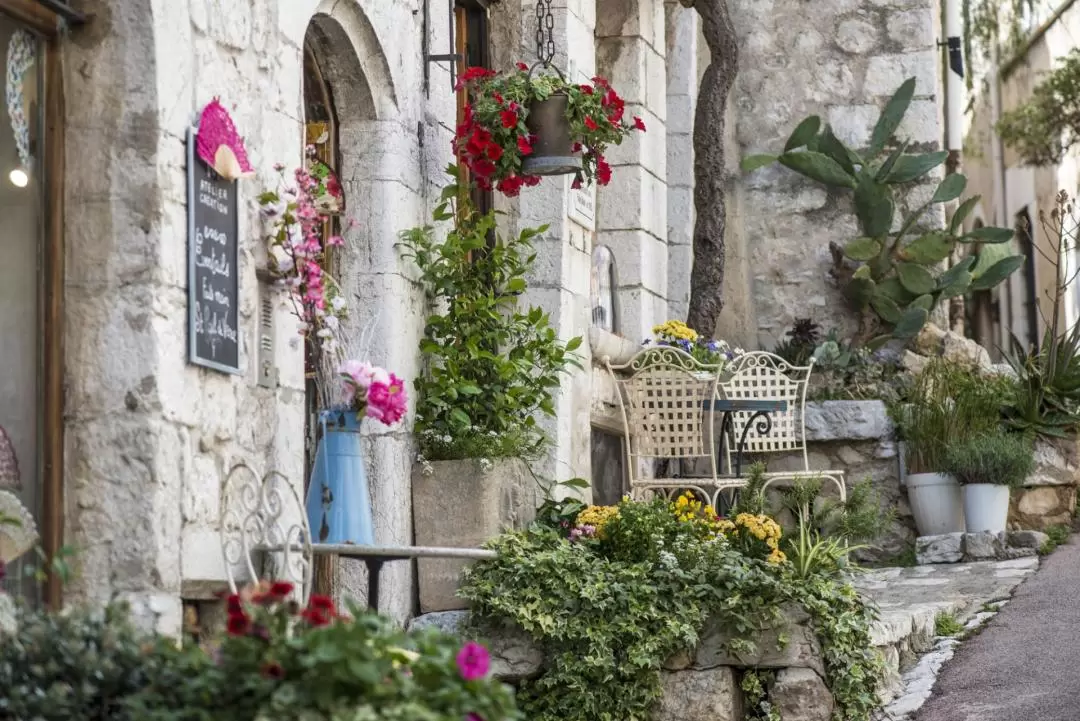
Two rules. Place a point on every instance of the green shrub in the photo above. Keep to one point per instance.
(276, 662)
(945, 624)
(1000, 458)
(491, 366)
(611, 595)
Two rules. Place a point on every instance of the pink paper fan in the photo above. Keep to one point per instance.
(219, 145)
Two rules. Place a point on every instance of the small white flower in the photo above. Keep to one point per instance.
(427, 469)
(337, 302)
(486, 465)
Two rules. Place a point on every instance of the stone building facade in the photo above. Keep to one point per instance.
(149, 438)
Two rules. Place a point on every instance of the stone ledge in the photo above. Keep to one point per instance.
(514, 655)
(847, 421)
(972, 547)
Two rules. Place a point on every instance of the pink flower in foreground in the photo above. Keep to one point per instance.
(473, 661)
(387, 401)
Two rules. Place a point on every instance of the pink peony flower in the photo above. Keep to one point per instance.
(386, 402)
(473, 661)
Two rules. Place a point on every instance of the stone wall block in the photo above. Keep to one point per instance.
(886, 73)
(514, 655)
(799, 694)
(801, 650)
(709, 695)
(847, 420)
(945, 548)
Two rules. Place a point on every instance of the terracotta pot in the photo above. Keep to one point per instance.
(553, 149)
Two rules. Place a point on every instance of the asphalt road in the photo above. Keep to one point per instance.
(1025, 663)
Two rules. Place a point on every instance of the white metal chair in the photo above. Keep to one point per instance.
(760, 375)
(664, 394)
(264, 524)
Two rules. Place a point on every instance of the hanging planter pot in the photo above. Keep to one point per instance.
(338, 504)
(553, 144)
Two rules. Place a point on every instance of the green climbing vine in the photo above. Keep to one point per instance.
(612, 593)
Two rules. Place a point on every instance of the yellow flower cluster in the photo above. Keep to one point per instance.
(764, 529)
(689, 510)
(675, 330)
(598, 517)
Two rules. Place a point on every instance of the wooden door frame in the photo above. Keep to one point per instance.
(49, 19)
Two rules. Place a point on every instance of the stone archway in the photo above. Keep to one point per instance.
(378, 159)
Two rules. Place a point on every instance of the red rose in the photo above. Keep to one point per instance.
(590, 123)
(523, 146)
(509, 119)
(639, 123)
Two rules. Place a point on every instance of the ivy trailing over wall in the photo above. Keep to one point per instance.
(611, 593)
(1045, 127)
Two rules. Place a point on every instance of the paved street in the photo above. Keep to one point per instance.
(1023, 665)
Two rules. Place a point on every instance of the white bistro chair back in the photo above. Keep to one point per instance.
(264, 531)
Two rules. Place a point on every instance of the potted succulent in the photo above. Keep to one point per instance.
(519, 126)
(948, 404)
(988, 466)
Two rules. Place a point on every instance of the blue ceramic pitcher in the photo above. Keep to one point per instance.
(338, 505)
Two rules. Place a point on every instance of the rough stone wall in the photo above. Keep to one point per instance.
(681, 26)
(149, 437)
(840, 59)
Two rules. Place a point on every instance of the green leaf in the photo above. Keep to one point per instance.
(576, 483)
(910, 323)
(998, 272)
(988, 235)
(885, 307)
(950, 189)
(573, 344)
(873, 206)
(950, 276)
(863, 249)
(892, 116)
(859, 291)
(460, 417)
(830, 145)
(877, 343)
(963, 212)
(959, 285)
(886, 167)
(818, 167)
(516, 285)
(929, 249)
(926, 302)
(468, 390)
(893, 288)
(752, 162)
(911, 167)
(803, 133)
(915, 278)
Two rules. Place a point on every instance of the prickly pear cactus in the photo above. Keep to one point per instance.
(892, 274)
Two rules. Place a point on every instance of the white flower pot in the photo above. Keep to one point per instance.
(986, 507)
(935, 503)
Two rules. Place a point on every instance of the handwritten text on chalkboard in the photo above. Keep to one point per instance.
(213, 285)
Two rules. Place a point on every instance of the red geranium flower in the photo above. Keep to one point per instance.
(587, 89)
(494, 151)
(639, 123)
(509, 119)
(602, 82)
(523, 146)
(577, 147)
(316, 617)
(323, 603)
(498, 98)
(603, 172)
(233, 605)
(522, 67)
(281, 589)
(576, 185)
(484, 168)
(590, 123)
(238, 624)
(532, 180)
(510, 187)
(273, 670)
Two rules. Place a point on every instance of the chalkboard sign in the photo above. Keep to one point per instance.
(213, 276)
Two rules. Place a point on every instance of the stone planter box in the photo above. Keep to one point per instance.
(462, 504)
(1048, 496)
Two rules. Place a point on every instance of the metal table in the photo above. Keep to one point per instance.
(375, 556)
(759, 421)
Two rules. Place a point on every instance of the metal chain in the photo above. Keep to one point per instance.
(545, 32)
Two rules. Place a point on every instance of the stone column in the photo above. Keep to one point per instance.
(632, 210)
(681, 31)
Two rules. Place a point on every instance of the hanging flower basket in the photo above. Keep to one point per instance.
(519, 126)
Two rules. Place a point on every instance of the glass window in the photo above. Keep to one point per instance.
(20, 273)
(603, 289)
